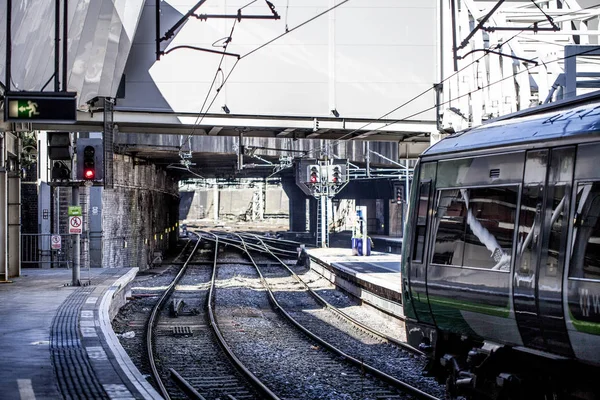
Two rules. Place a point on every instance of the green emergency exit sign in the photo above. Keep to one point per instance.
(40, 107)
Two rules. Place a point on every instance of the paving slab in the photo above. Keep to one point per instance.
(56, 339)
(379, 268)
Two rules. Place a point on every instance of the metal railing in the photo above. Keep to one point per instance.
(37, 251)
(97, 250)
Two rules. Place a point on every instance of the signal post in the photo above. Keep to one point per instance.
(87, 171)
(322, 179)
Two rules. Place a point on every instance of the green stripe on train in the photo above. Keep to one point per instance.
(495, 311)
(585, 326)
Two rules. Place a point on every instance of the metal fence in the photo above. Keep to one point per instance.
(39, 251)
(56, 251)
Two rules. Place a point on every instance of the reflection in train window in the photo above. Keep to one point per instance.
(585, 258)
(529, 226)
(421, 223)
(475, 227)
(558, 231)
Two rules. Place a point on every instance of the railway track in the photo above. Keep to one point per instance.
(240, 325)
(362, 346)
(193, 360)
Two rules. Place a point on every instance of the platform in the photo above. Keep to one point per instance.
(57, 341)
(375, 279)
(386, 243)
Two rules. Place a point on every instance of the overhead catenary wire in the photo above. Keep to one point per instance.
(339, 140)
(201, 113)
(294, 28)
(486, 86)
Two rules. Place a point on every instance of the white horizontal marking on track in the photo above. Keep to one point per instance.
(87, 314)
(91, 300)
(25, 389)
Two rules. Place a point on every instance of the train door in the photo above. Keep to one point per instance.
(583, 283)
(542, 235)
(414, 281)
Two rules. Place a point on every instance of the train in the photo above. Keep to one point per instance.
(501, 256)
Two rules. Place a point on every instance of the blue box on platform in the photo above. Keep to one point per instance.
(357, 246)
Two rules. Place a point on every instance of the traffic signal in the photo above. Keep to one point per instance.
(60, 146)
(399, 194)
(313, 174)
(89, 163)
(60, 171)
(335, 174)
(90, 159)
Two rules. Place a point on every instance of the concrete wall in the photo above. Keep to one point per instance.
(139, 216)
(234, 203)
(276, 202)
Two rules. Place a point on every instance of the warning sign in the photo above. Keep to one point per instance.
(55, 242)
(75, 225)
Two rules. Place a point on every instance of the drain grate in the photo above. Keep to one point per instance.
(181, 331)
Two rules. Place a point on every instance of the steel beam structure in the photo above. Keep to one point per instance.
(171, 123)
(513, 57)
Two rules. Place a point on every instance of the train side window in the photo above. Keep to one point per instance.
(421, 222)
(451, 225)
(585, 255)
(475, 227)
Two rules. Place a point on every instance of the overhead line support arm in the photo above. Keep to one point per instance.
(203, 17)
(479, 25)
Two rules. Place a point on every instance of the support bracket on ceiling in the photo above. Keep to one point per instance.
(169, 34)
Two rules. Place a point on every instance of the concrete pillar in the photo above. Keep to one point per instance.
(297, 201)
(216, 203)
(45, 224)
(95, 226)
(262, 198)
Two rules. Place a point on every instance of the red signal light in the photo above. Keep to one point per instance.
(313, 178)
(89, 174)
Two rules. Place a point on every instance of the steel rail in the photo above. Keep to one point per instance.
(261, 387)
(185, 386)
(152, 321)
(373, 371)
(278, 241)
(347, 317)
(224, 237)
(326, 266)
